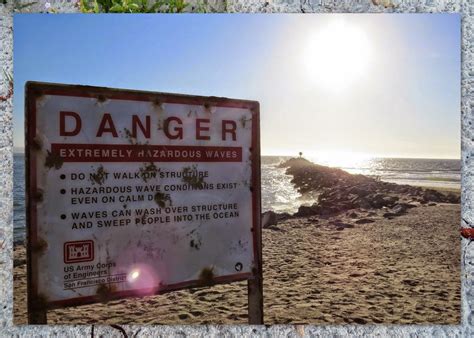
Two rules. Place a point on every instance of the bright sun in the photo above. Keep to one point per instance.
(337, 55)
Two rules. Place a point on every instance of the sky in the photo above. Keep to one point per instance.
(341, 85)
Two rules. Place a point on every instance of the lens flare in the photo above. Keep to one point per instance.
(143, 279)
(133, 275)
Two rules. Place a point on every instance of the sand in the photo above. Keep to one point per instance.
(404, 270)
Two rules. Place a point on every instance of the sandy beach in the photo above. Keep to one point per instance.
(405, 270)
(394, 264)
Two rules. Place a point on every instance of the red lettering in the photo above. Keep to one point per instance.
(231, 129)
(200, 128)
(62, 123)
(107, 126)
(178, 130)
(146, 131)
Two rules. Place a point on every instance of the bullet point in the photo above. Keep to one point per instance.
(63, 191)
(63, 216)
(62, 176)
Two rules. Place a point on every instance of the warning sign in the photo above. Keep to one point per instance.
(136, 193)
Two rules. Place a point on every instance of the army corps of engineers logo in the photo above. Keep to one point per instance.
(78, 251)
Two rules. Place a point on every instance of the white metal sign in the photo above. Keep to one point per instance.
(137, 193)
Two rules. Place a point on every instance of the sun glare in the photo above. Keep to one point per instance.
(337, 55)
(341, 159)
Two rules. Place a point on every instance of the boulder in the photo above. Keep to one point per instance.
(353, 215)
(364, 221)
(390, 215)
(431, 195)
(342, 225)
(269, 218)
(283, 216)
(360, 191)
(378, 200)
(390, 200)
(453, 198)
(364, 203)
(399, 209)
(308, 211)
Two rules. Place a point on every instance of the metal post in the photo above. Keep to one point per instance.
(255, 283)
(36, 315)
(255, 295)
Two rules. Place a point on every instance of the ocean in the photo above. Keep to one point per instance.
(279, 195)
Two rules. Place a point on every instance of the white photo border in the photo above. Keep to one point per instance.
(465, 8)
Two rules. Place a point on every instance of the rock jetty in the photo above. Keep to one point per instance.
(338, 191)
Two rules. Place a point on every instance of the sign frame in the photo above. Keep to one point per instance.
(38, 304)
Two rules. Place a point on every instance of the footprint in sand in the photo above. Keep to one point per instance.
(183, 316)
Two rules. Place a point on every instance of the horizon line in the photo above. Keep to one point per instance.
(21, 150)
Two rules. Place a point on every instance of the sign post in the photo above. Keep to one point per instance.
(133, 193)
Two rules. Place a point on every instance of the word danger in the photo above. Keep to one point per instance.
(70, 124)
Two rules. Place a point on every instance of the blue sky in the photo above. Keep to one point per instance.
(384, 85)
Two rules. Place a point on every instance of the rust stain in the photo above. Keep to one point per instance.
(243, 121)
(39, 195)
(101, 98)
(193, 180)
(148, 171)
(128, 135)
(161, 199)
(104, 292)
(100, 176)
(206, 276)
(53, 160)
(195, 243)
(40, 246)
(37, 144)
(207, 108)
(157, 104)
